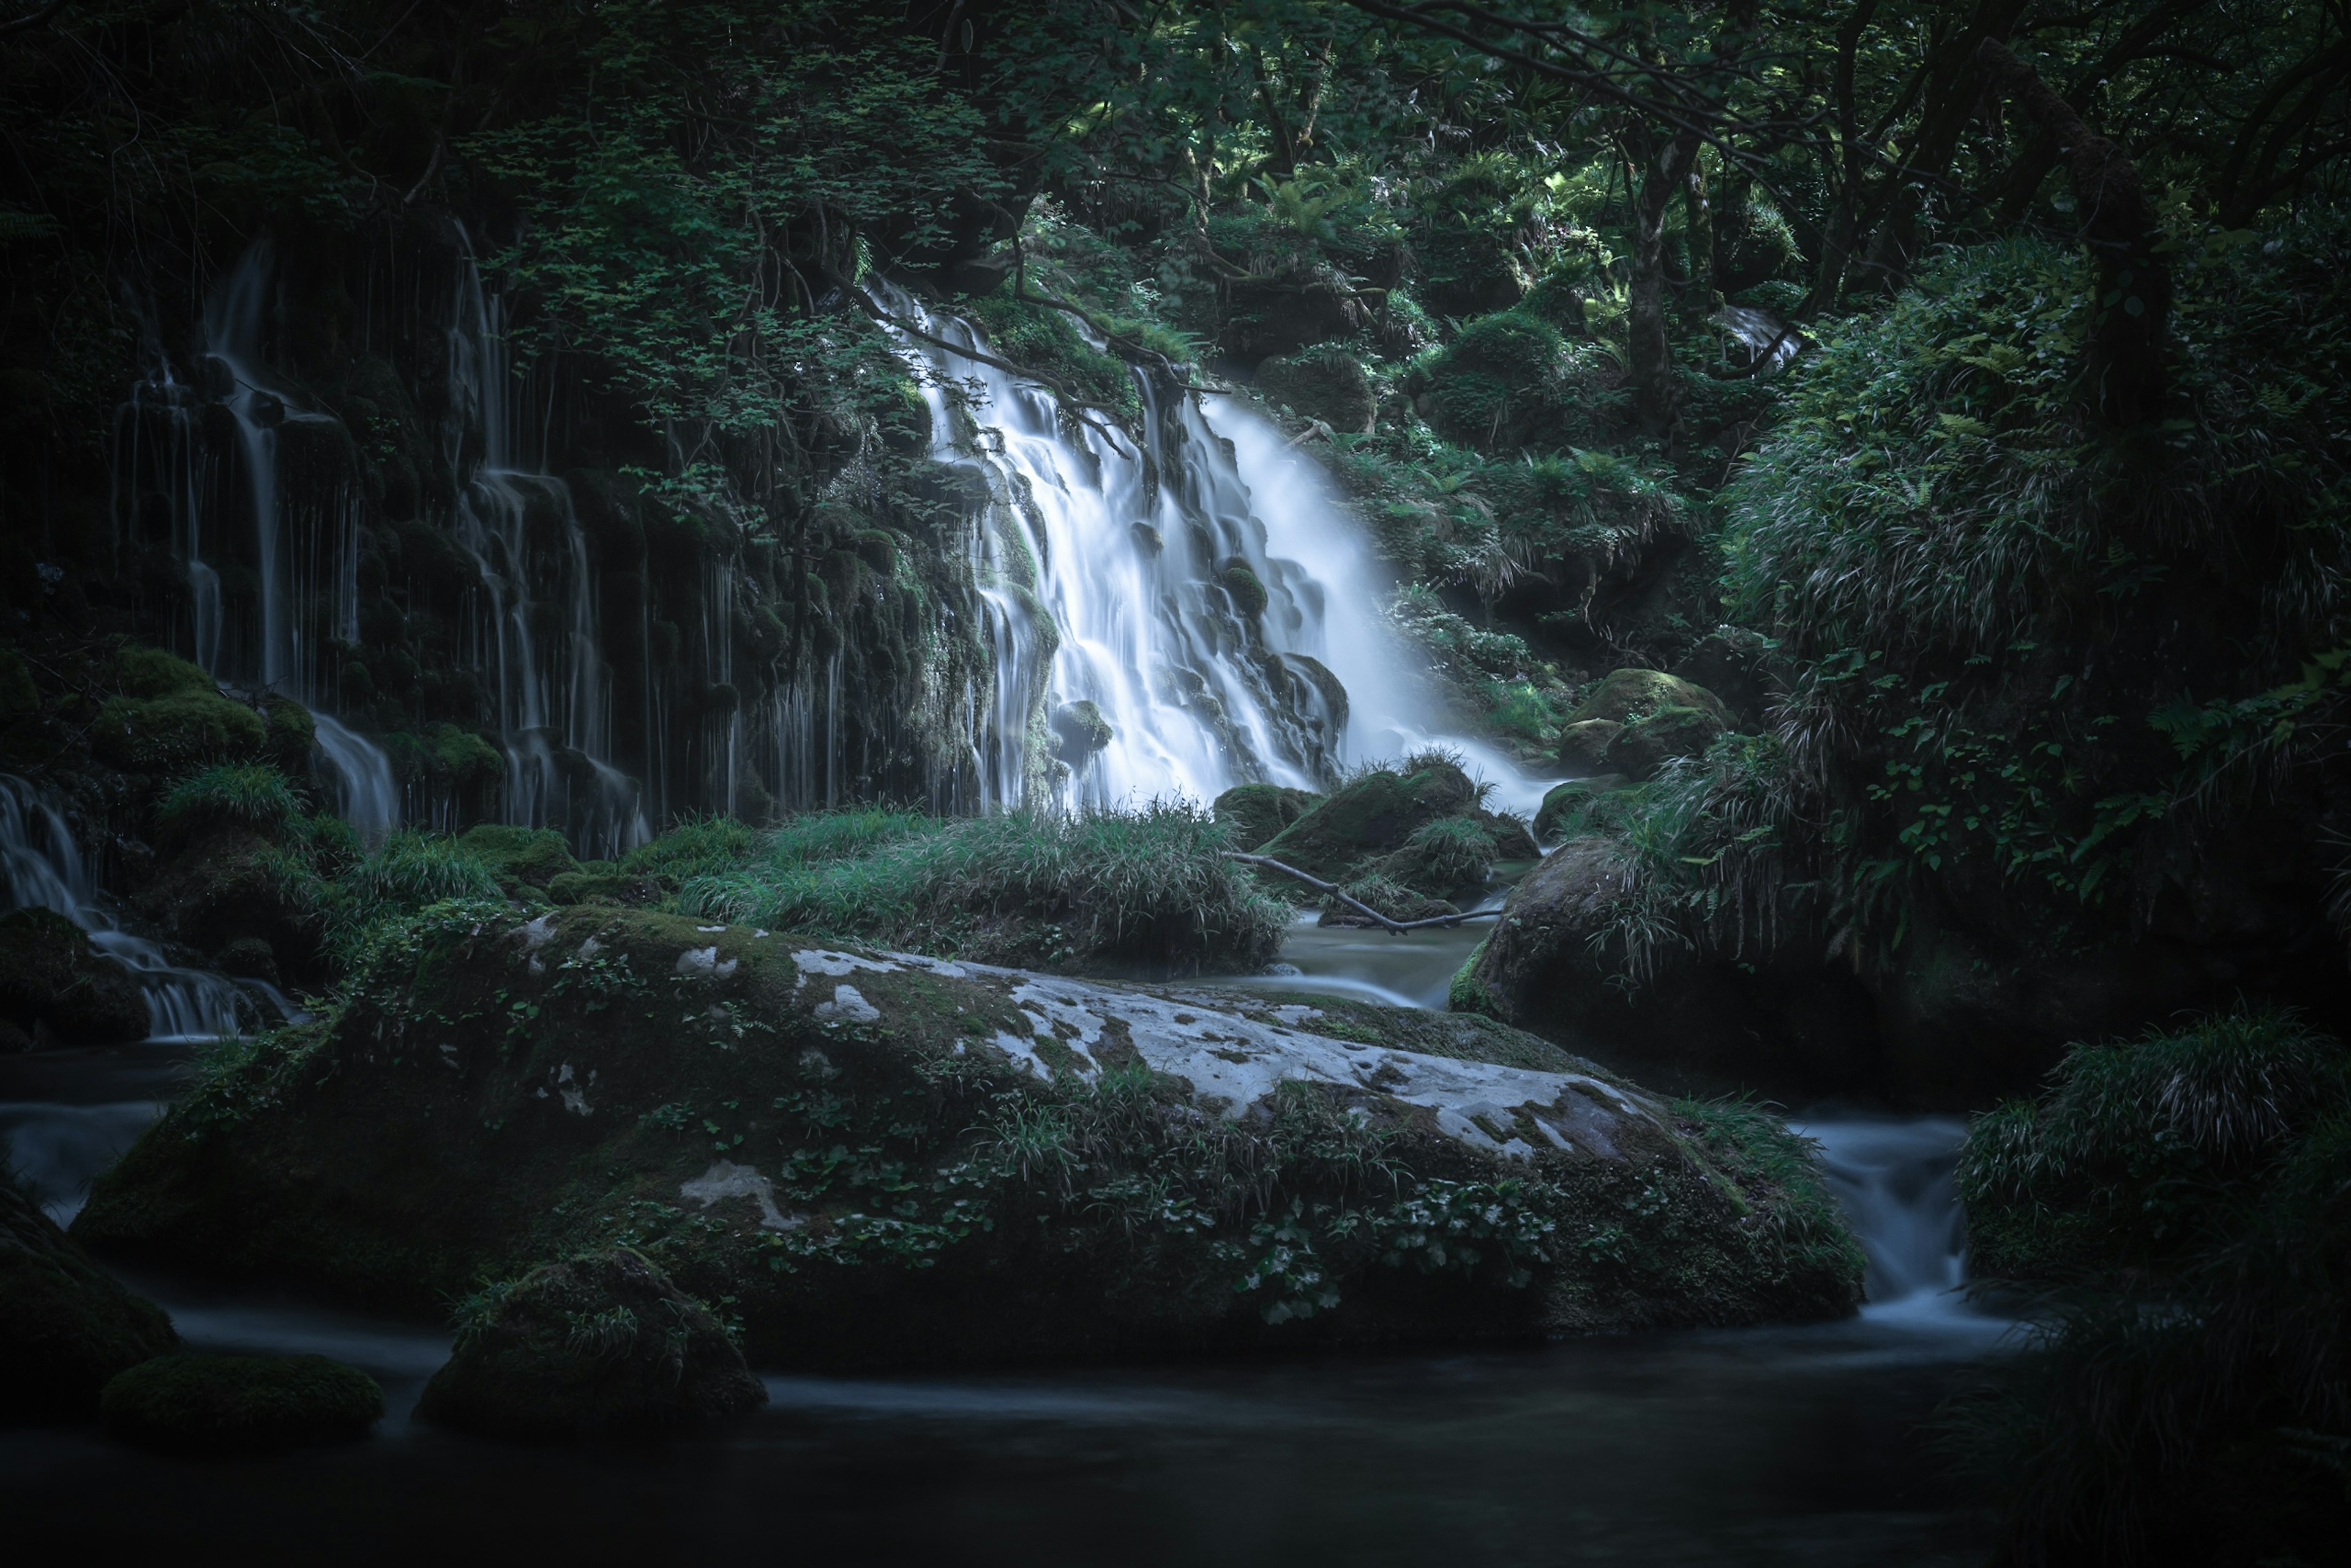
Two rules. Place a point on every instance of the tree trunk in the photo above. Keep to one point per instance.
(1699, 209)
(1656, 390)
(2123, 372)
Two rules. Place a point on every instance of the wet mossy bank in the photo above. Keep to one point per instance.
(865, 1158)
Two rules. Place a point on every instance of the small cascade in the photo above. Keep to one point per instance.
(1206, 593)
(1895, 1180)
(273, 576)
(45, 869)
(535, 627)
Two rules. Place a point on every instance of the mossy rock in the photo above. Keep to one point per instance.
(166, 733)
(1371, 816)
(1247, 590)
(1564, 805)
(239, 1404)
(628, 888)
(141, 671)
(290, 734)
(53, 983)
(1646, 743)
(1256, 812)
(1583, 746)
(230, 883)
(1451, 858)
(1629, 695)
(601, 1346)
(66, 1324)
(522, 857)
(1390, 897)
(1328, 384)
(1079, 731)
(496, 1092)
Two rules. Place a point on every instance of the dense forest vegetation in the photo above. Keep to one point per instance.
(1890, 455)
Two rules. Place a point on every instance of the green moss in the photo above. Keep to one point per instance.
(520, 857)
(1249, 595)
(465, 758)
(142, 672)
(1629, 695)
(1372, 815)
(1647, 743)
(1465, 993)
(242, 794)
(155, 734)
(599, 1345)
(1449, 858)
(1256, 812)
(1050, 340)
(291, 733)
(227, 1404)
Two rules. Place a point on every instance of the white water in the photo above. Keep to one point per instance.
(1893, 1179)
(45, 870)
(1100, 562)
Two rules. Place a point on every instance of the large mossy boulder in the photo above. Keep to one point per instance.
(1625, 695)
(1583, 746)
(1373, 815)
(239, 1404)
(875, 1157)
(601, 1346)
(55, 987)
(1636, 721)
(1256, 812)
(1325, 384)
(1578, 956)
(66, 1324)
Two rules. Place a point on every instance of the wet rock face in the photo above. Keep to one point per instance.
(880, 1158)
(1777, 1021)
(55, 987)
(594, 1346)
(66, 1324)
(1327, 384)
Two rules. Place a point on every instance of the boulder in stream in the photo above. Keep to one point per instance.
(231, 1404)
(598, 1345)
(55, 987)
(877, 1157)
(66, 1324)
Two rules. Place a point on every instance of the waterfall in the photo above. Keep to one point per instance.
(295, 564)
(44, 868)
(1126, 576)
(535, 628)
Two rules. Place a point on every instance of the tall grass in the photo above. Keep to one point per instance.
(241, 794)
(1148, 887)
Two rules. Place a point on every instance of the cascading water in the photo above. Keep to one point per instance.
(535, 631)
(270, 579)
(1893, 1179)
(45, 870)
(1204, 592)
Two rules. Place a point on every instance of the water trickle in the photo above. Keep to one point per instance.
(45, 870)
(1895, 1180)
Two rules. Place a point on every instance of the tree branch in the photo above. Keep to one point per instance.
(1358, 904)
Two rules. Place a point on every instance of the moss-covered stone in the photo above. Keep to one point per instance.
(884, 1159)
(1390, 897)
(1583, 746)
(599, 1345)
(1256, 812)
(1372, 816)
(522, 857)
(1450, 858)
(1247, 590)
(1626, 695)
(54, 984)
(1078, 731)
(1564, 805)
(290, 734)
(66, 1324)
(231, 884)
(1646, 743)
(230, 1404)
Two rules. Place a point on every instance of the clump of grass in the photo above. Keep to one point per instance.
(695, 846)
(240, 794)
(410, 871)
(1148, 888)
(2182, 1203)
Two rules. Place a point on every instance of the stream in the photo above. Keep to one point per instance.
(1762, 1445)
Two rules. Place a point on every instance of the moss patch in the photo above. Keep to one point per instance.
(214, 1404)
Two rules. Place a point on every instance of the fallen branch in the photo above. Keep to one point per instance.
(1338, 893)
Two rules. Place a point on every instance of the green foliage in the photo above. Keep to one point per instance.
(243, 794)
(1050, 340)
(2181, 1200)
(408, 873)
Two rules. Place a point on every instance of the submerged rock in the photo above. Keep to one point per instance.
(55, 986)
(217, 1403)
(877, 1157)
(66, 1324)
(599, 1345)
